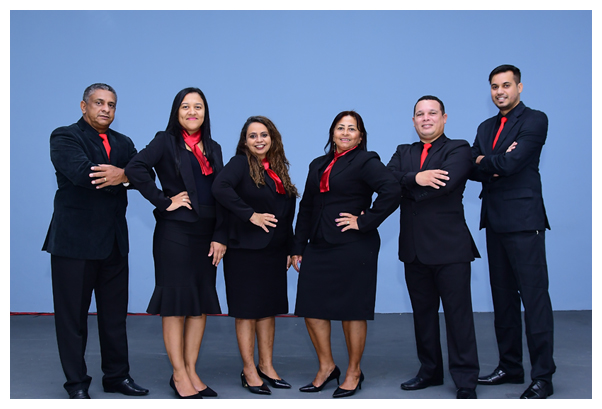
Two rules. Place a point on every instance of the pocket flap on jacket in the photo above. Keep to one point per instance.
(518, 193)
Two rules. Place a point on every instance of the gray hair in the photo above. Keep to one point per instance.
(90, 90)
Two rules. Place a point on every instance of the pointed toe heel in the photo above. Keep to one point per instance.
(260, 390)
(343, 393)
(310, 387)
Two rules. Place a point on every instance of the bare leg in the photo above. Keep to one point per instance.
(173, 337)
(266, 328)
(355, 337)
(194, 328)
(319, 333)
(245, 334)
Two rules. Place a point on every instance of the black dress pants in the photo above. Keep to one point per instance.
(73, 281)
(518, 271)
(450, 283)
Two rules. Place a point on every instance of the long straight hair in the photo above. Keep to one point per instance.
(175, 129)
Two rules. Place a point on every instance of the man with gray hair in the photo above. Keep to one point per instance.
(88, 243)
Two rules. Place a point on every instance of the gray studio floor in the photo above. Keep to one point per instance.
(389, 359)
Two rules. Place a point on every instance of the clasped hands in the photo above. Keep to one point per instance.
(107, 175)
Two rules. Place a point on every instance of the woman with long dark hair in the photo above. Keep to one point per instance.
(190, 235)
(256, 188)
(336, 246)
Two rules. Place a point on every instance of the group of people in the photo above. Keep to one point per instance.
(243, 213)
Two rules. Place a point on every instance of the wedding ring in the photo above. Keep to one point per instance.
(105, 180)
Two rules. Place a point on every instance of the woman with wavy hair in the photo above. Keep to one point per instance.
(256, 188)
(190, 234)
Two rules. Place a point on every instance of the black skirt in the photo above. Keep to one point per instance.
(338, 281)
(184, 275)
(256, 282)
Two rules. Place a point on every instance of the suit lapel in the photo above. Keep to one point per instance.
(96, 140)
(416, 151)
(507, 131)
(186, 171)
(343, 162)
(433, 152)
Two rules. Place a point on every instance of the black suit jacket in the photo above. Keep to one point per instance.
(512, 201)
(353, 180)
(167, 154)
(432, 224)
(237, 192)
(87, 221)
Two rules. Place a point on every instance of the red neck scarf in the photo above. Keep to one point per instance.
(324, 181)
(192, 141)
(274, 176)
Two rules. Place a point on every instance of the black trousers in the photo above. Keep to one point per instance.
(73, 281)
(450, 283)
(518, 271)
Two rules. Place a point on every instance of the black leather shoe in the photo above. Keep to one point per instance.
(343, 393)
(335, 374)
(466, 393)
(260, 390)
(276, 383)
(539, 389)
(173, 386)
(419, 383)
(79, 394)
(208, 393)
(127, 387)
(498, 377)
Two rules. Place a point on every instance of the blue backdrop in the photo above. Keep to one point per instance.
(300, 68)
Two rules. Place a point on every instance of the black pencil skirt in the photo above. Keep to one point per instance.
(256, 282)
(338, 281)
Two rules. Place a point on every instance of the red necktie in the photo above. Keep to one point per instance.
(499, 131)
(425, 151)
(192, 141)
(324, 180)
(274, 176)
(105, 142)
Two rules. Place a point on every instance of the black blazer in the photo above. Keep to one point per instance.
(237, 192)
(175, 176)
(432, 224)
(513, 201)
(353, 180)
(87, 221)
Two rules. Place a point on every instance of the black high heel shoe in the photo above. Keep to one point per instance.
(343, 393)
(173, 386)
(260, 390)
(276, 383)
(310, 387)
(208, 392)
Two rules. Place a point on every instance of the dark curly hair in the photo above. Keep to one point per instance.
(276, 156)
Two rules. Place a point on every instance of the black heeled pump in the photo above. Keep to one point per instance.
(310, 387)
(276, 383)
(343, 393)
(260, 390)
(173, 386)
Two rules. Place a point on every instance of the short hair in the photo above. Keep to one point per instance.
(99, 85)
(430, 98)
(363, 145)
(506, 68)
